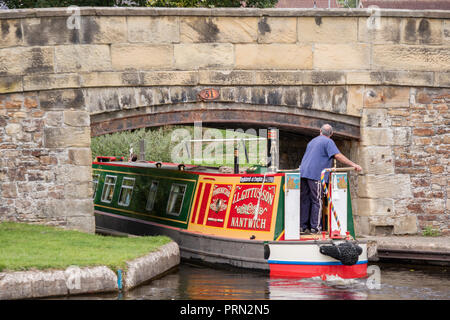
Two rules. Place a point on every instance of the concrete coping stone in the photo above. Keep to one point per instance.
(82, 280)
(412, 243)
(229, 12)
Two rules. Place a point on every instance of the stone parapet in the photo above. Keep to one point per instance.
(40, 51)
(232, 12)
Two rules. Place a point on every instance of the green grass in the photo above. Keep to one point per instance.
(31, 247)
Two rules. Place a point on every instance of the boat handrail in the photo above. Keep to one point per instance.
(227, 139)
(328, 169)
(340, 169)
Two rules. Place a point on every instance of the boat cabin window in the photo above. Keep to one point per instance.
(126, 191)
(95, 178)
(176, 197)
(108, 188)
(152, 195)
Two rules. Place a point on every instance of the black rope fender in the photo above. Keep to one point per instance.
(346, 252)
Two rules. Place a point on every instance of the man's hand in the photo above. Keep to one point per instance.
(341, 158)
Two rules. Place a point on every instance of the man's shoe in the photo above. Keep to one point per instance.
(305, 231)
(314, 231)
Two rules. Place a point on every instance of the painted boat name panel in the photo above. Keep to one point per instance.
(219, 204)
(237, 209)
(252, 207)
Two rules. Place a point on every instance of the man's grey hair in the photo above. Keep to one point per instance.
(327, 130)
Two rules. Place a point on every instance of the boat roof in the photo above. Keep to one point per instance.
(161, 165)
(191, 168)
(188, 168)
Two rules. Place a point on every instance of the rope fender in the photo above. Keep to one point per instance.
(346, 252)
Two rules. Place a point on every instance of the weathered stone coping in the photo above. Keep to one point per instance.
(412, 242)
(410, 247)
(75, 280)
(150, 266)
(216, 12)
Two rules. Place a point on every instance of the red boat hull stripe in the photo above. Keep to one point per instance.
(309, 271)
(197, 202)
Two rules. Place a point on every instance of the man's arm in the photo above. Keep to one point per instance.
(341, 158)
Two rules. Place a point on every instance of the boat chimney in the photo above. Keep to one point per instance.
(272, 150)
(142, 150)
(236, 160)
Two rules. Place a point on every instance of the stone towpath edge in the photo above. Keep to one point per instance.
(81, 280)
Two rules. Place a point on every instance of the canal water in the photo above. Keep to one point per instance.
(386, 282)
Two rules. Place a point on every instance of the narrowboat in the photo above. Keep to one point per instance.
(243, 219)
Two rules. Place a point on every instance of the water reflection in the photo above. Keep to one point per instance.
(199, 282)
(194, 282)
(312, 289)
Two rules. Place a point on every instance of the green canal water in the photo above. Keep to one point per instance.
(387, 282)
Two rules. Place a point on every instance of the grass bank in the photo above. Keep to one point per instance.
(27, 247)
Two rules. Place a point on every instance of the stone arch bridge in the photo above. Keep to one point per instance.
(380, 78)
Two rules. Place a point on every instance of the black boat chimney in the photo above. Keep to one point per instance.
(236, 160)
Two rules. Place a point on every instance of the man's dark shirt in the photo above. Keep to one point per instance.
(318, 156)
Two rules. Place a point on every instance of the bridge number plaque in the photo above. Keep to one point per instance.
(208, 94)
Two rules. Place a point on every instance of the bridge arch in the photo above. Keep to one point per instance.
(294, 109)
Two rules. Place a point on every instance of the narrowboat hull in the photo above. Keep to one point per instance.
(303, 259)
(281, 258)
(248, 254)
(226, 219)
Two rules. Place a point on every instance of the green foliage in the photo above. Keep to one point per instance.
(157, 144)
(18, 4)
(212, 3)
(430, 232)
(160, 143)
(348, 3)
(25, 247)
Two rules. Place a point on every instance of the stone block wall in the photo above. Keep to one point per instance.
(404, 152)
(389, 68)
(45, 161)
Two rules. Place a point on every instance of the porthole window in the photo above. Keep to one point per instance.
(126, 191)
(176, 197)
(108, 188)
